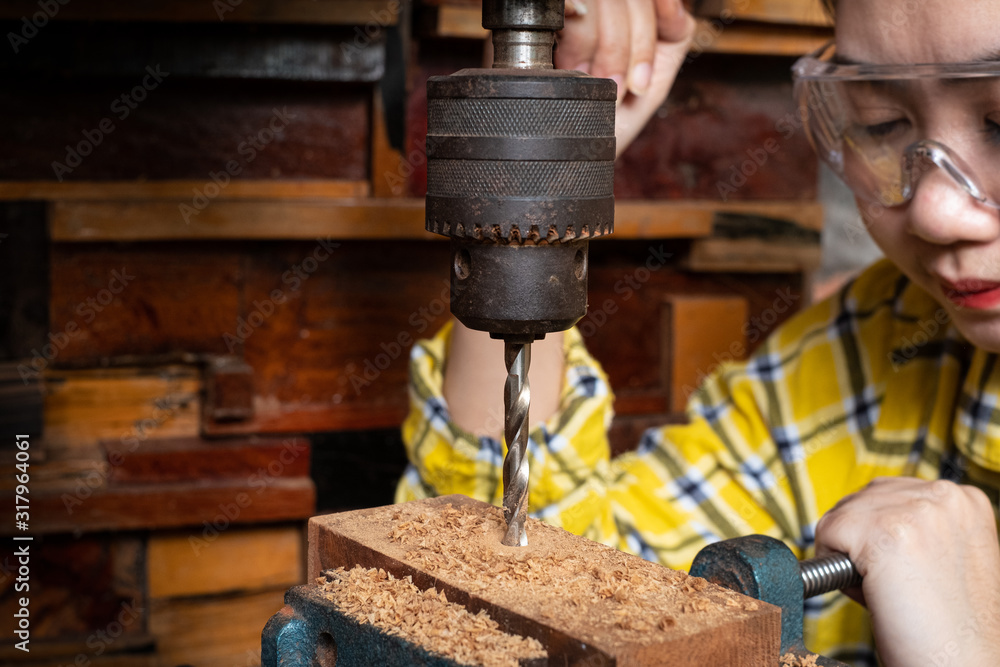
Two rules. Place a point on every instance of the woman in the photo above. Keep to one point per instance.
(867, 424)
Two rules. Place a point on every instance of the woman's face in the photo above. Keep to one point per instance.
(944, 240)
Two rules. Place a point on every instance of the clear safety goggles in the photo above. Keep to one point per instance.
(883, 127)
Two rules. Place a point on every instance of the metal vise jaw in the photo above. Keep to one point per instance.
(310, 631)
(765, 568)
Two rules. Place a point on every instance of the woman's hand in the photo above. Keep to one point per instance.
(929, 555)
(641, 44)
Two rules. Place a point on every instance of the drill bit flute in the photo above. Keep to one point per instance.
(516, 399)
(520, 173)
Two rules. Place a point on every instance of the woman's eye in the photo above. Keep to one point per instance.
(884, 129)
(992, 130)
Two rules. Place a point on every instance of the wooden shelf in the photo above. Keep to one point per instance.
(791, 12)
(322, 12)
(178, 190)
(247, 218)
(783, 38)
(762, 40)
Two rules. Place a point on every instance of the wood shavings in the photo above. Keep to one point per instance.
(425, 618)
(642, 602)
(793, 660)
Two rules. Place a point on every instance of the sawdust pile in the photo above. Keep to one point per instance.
(425, 618)
(604, 588)
(792, 660)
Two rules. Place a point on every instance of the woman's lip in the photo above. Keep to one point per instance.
(974, 293)
(970, 286)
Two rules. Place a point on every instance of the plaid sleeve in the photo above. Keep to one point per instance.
(568, 455)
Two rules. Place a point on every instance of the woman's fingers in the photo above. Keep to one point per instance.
(614, 35)
(642, 25)
(578, 41)
(673, 22)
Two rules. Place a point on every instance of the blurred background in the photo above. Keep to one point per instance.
(213, 266)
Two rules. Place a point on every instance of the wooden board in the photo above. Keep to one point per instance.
(166, 460)
(700, 333)
(525, 588)
(78, 586)
(180, 564)
(798, 12)
(146, 300)
(753, 256)
(221, 631)
(213, 505)
(184, 130)
(124, 405)
(758, 39)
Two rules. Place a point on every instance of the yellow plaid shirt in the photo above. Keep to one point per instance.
(872, 382)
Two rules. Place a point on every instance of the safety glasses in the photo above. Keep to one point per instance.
(883, 127)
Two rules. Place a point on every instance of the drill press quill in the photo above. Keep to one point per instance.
(520, 176)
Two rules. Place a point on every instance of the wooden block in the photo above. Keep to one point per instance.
(799, 12)
(126, 405)
(81, 509)
(571, 594)
(757, 39)
(753, 256)
(228, 390)
(221, 631)
(195, 563)
(21, 402)
(79, 586)
(700, 331)
(387, 161)
(144, 300)
(185, 130)
(167, 460)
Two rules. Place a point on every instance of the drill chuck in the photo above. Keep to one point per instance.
(520, 175)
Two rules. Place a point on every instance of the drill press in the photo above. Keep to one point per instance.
(520, 171)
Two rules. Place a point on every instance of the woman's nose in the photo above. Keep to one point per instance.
(943, 213)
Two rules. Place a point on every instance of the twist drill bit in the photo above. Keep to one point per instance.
(517, 397)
